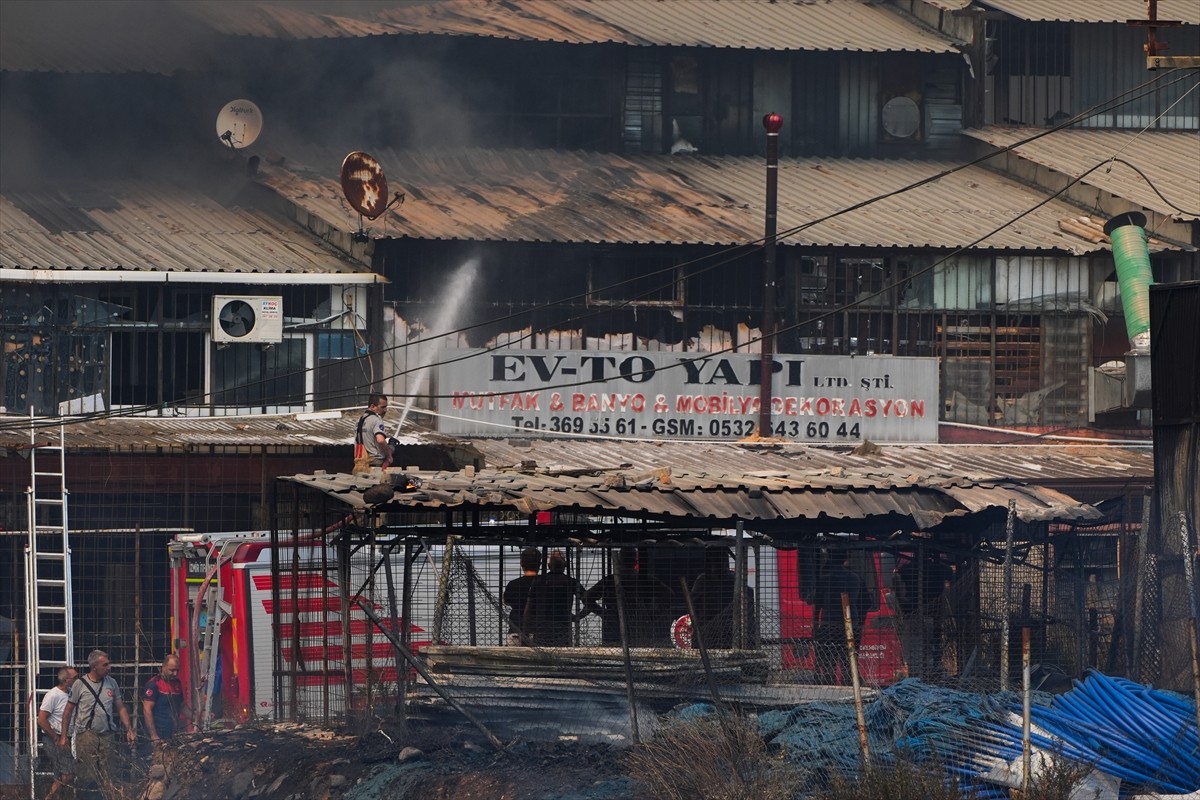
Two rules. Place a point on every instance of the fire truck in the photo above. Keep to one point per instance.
(234, 663)
(880, 658)
(223, 624)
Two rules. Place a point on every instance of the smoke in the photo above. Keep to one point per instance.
(364, 94)
(91, 90)
(98, 90)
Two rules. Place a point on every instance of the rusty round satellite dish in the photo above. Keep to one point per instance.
(364, 184)
(239, 123)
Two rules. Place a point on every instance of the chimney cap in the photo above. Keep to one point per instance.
(1123, 219)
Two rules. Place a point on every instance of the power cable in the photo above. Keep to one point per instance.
(709, 354)
(1150, 183)
(1102, 107)
(864, 299)
(1118, 100)
(1099, 108)
(1096, 109)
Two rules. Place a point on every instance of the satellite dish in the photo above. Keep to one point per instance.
(239, 123)
(364, 184)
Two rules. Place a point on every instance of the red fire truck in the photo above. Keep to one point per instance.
(223, 596)
(880, 658)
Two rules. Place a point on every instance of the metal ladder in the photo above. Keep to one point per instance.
(217, 610)
(49, 619)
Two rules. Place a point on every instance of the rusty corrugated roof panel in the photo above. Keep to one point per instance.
(150, 227)
(692, 466)
(137, 433)
(296, 21)
(747, 24)
(719, 499)
(720, 481)
(1095, 10)
(561, 196)
(891, 466)
(1170, 159)
(86, 36)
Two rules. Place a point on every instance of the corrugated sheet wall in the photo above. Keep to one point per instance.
(1040, 74)
(858, 101)
(1119, 49)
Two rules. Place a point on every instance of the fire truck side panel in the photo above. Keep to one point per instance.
(880, 659)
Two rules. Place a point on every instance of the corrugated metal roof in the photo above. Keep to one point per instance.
(748, 24)
(86, 36)
(139, 433)
(296, 21)
(1171, 160)
(890, 466)
(320, 429)
(928, 484)
(559, 196)
(151, 227)
(1095, 10)
(717, 497)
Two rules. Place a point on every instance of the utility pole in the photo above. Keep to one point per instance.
(773, 123)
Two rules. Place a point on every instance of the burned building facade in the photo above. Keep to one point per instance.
(604, 191)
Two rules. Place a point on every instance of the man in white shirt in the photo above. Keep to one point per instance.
(49, 720)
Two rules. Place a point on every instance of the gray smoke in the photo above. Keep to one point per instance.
(93, 90)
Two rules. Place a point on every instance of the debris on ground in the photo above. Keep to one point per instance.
(1129, 737)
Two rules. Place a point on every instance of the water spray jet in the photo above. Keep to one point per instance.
(456, 292)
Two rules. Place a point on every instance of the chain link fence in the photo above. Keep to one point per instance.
(335, 619)
(451, 625)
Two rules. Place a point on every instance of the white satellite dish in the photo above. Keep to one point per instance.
(239, 123)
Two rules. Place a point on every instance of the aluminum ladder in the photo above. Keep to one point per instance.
(49, 618)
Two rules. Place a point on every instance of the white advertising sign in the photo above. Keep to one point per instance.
(660, 395)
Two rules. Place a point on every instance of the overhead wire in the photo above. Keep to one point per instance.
(1099, 108)
(832, 312)
(1107, 105)
(859, 300)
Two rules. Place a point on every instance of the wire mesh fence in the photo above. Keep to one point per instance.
(630, 629)
(334, 618)
(120, 606)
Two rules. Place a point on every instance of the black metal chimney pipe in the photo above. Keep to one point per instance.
(773, 123)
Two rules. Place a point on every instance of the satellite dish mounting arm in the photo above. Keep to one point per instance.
(361, 234)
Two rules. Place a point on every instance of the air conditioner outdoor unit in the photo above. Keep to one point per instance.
(247, 319)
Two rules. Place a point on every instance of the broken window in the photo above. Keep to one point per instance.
(961, 283)
(625, 278)
(1029, 67)
(642, 124)
(685, 103)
